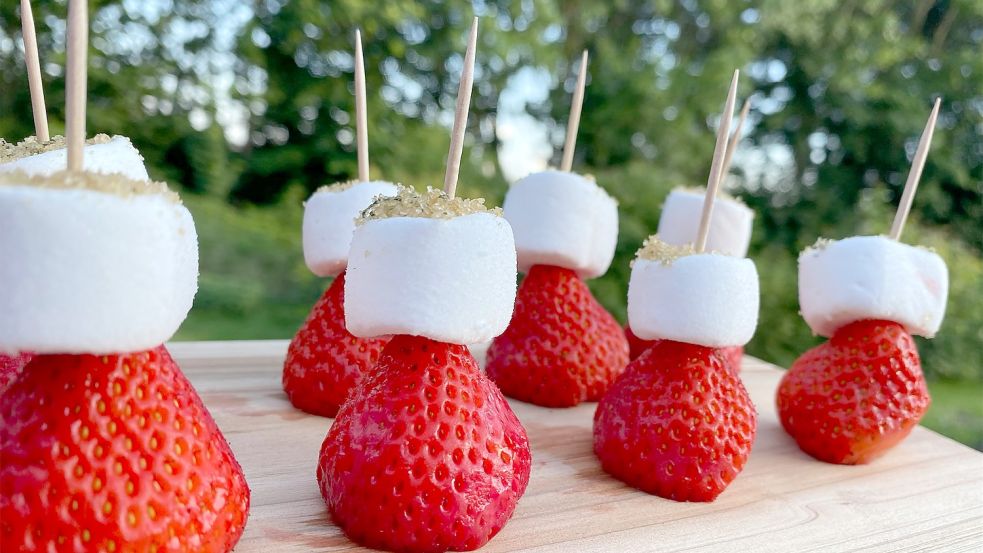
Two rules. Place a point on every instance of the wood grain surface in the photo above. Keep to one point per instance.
(925, 495)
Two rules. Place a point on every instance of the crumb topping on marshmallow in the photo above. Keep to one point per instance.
(432, 204)
(30, 146)
(337, 187)
(654, 249)
(823, 243)
(115, 183)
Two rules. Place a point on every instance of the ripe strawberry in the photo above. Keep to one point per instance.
(561, 347)
(852, 398)
(426, 455)
(676, 424)
(114, 453)
(325, 361)
(637, 346)
(10, 367)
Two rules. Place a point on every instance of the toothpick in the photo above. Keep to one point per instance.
(78, 39)
(917, 165)
(713, 182)
(732, 145)
(33, 62)
(574, 123)
(461, 114)
(361, 113)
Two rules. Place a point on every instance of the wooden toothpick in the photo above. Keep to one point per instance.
(917, 165)
(713, 181)
(575, 108)
(461, 114)
(732, 144)
(361, 113)
(33, 62)
(78, 43)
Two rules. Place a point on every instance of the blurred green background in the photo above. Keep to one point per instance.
(247, 106)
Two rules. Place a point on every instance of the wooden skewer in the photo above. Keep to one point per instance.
(78, 43)
(461, 114)
(713, 182)
(33, 62)
(361, 113)
(917, 165)
(732, 145)
(575, 108)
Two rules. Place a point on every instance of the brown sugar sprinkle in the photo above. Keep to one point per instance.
(432, 204)
(114, 183)
(31, 146)
(654, 249)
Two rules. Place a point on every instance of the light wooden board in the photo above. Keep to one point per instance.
(925, 495)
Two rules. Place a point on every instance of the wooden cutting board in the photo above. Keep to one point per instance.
(925, 495)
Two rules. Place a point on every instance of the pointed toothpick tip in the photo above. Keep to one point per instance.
(576, 108)
(915, 174)
(713, 181)
(361, 111)
(456, 148)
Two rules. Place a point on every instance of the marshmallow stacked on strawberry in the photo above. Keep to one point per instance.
(324, 360)
(854, 397)
(729, 234)
(426, 454)
(105, 444)
(562, 347)
(679, 423)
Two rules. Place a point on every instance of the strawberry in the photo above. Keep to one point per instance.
(114, 453)
(676, 424)
(325, 361)
(637, 346)
(852, 398)
(426, 455)
(561, 347)
(10, 367)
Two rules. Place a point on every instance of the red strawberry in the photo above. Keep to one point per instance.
(733, 355)
(325, 361)
(561, 347)
(854, 397)
(10, 367)
(426, 455)
(114, 453)
(676, 424)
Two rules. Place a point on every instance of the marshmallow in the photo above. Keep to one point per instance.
(451, 280)
(872, 277)
(329, 220)
(85, 270)
(705, 299)
(562, 219)
(730, 224)
(102, 155)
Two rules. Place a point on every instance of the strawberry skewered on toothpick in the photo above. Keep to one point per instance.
(852, 398)
(325, 361)
(105, 444)
(426, 454)
(679, 423)
(562, 347)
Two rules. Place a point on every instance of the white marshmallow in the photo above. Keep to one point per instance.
(705, 299)
(329, 220)
(872, 277)
(84, 271)
(451, 280)
(730, 224)
(116, 156)
(562, 219)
